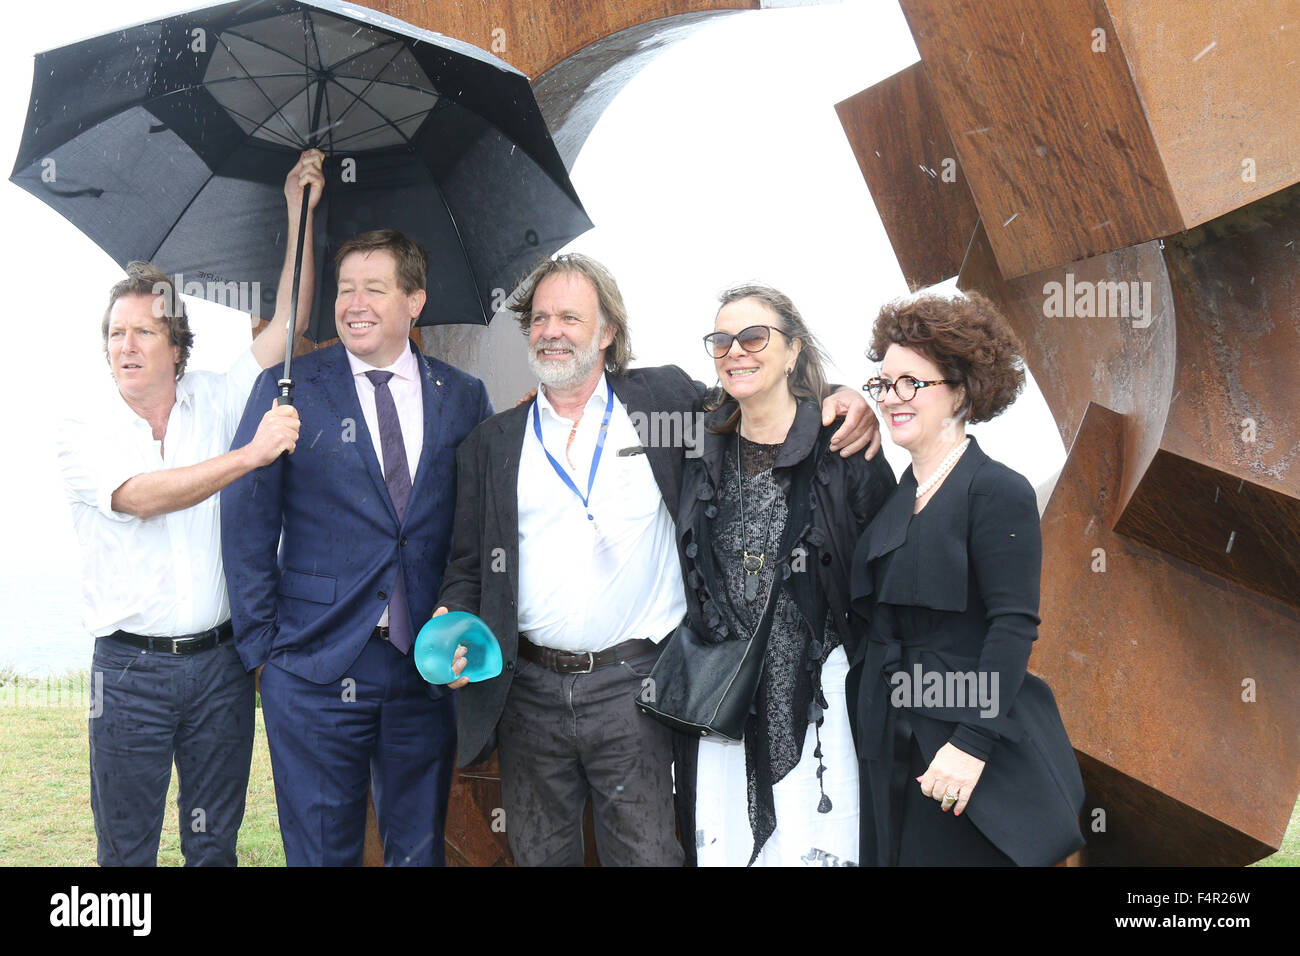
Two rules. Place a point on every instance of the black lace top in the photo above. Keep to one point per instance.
(789, 695)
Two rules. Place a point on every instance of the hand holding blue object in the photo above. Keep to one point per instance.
(435, 648)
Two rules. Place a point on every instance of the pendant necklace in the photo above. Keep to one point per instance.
(752, 563)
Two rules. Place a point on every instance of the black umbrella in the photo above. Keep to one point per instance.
(169, 141)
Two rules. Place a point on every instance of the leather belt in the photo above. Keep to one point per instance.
(186, 644)
(564, 662)
(380, 633)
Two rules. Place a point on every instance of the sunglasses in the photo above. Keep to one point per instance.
(752, 339)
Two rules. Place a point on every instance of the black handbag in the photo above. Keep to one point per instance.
(702, 688)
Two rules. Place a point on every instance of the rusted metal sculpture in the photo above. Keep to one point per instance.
(1133, 166)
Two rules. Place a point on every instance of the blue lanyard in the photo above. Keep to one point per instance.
(595, 459)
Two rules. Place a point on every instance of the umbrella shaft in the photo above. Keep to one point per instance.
(286, 382)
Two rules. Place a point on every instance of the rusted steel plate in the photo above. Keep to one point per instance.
(1052, 135)
(1178, 680)
(907, 158)
(1237, 300)
(1220, 88)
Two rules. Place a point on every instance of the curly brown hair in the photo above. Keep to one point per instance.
(967, 337)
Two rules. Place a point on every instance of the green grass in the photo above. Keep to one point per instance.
(45, 785)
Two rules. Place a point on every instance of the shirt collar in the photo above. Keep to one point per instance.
(595, 402)
(185, 391)
(404, 368)
(121, 410)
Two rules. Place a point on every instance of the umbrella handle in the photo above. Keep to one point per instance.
(286, 383)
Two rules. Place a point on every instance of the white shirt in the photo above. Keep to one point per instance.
(159, 576)
(589, 585)
(408, 399)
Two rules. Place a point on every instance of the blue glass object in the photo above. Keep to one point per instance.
(435, 648)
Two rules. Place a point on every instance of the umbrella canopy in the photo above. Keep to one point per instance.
(169, 141)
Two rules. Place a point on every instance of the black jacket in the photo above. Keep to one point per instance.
(845, 494)
(972, 568)
(483, 576)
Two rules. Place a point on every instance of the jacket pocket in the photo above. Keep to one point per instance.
(305, 586)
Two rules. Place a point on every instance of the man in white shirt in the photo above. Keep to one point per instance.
(141, 475)
(564, 544)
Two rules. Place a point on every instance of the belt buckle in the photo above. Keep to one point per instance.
(591, 663)
(176, 645)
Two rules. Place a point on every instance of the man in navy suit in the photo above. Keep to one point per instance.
(365, 505)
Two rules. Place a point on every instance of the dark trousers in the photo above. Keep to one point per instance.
(379, 722)
(155, 707)
(564, 736)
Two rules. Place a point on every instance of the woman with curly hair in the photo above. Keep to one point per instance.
(964, 759)
(767, 522)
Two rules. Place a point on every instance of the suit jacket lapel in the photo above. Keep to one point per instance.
(505, 450)
(342, 391)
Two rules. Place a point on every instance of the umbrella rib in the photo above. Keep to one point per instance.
(388, 124)
(460, 242)
(398, 84)
(357, 96)
(259, 126)
(309, 32)
(401, 45)
(233, 31)
(259, 89)
(212, 174)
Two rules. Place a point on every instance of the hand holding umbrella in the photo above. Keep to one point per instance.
(299, 194)
(434, 138)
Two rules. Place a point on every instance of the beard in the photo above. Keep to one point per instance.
(555, 375)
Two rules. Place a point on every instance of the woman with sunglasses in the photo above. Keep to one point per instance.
(965, 759)
(769, 514)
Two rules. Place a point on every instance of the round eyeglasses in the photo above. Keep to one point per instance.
(752, 339)
(905, 388)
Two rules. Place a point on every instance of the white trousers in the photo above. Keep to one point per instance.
(803, 837)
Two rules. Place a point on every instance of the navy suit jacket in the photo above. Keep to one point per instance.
(310, 604)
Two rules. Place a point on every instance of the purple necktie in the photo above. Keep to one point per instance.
(398, 478)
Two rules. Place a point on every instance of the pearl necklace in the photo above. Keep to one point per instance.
(944, 467)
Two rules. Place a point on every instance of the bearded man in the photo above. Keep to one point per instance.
(563, 543)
